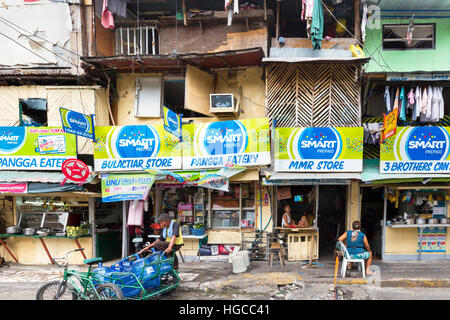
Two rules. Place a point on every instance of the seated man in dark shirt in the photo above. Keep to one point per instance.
(169, 240)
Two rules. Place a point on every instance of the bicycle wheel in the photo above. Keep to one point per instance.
(108, 291)
(48, 292)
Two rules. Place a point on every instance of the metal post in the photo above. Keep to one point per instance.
(383, 242)
(420, 243)
(91, 206)
(124, 230)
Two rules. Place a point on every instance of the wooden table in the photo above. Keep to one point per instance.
(75, 239)
(296, 247)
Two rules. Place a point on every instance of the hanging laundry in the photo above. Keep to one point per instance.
(317, 25)
(306, 15)
(429, 102)
(441, 103)
(387, 99)
(372, 132)
(364, 21)
(417, 103)
(107, 17)
(402, 114)
(230, 12)
(396, 100)
(423, 107)
(236, 6)
(411, 99)
(118, 7)
(307, 9)
(409, 33)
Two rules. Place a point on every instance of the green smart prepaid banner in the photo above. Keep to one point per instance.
(35, 148)
(319, 149)
(416, 150)
(135, 148)
(217, 144)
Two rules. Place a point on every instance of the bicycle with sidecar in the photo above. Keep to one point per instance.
(133, 278)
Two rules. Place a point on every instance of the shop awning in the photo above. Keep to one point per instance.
(176, 63)
(371, 175)
(37, 176)
(308, 178)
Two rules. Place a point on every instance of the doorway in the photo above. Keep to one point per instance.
(331, 217)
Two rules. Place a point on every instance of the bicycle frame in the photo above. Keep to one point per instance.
(71, 277)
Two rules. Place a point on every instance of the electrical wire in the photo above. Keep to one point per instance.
(31, 33)
(39, 44)
(1, 33)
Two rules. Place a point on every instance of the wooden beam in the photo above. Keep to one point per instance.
(183, 3)
(357, 21)
(277, 32)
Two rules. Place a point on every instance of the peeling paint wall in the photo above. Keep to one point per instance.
(40, 34)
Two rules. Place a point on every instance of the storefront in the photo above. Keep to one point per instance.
(411, 180)
(208, 182)
(316, 171)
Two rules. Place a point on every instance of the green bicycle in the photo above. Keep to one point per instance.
(78, 285)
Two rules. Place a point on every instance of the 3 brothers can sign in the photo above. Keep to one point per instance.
(416, 150)
(75, 170)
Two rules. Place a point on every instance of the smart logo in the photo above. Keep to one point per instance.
(137, 142)
(319, 143)
(11, 139)
(427, 143)
(226, 137)
(78, 121)
(172, 120)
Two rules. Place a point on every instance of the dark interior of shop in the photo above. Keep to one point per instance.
(299, 203)
(331, 217)
(372, 206)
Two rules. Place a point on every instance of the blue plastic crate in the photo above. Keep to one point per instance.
(197, 232)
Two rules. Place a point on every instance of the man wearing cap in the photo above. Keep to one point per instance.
(170, 239)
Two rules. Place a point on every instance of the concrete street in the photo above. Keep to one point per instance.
(214, 280)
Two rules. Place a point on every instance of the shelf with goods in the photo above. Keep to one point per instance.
(234, 209)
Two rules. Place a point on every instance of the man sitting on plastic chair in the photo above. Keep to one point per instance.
(356, 242)
(169, 240)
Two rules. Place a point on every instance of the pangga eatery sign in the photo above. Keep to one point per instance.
(215, 144)
(319, 149)
(416, 150)
(135, 148)
(35, 148)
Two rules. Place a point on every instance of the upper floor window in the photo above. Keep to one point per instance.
(133, 41)
(395, 37)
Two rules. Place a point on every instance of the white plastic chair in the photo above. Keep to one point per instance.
(346, 258)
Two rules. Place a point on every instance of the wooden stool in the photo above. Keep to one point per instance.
(274, 249)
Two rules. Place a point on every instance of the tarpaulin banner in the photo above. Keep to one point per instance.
(35, 148)
(129, 186)
(319, 149)
(77, 123)
(217, 179)
(433, 240)
(135, 148)
(416, 150)
(172, 122)
(13, 187)
(212, 145)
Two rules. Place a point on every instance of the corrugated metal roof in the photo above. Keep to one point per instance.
(37, 176)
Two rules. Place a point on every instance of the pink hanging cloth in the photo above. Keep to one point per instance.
(107, 17)
(136, 213)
